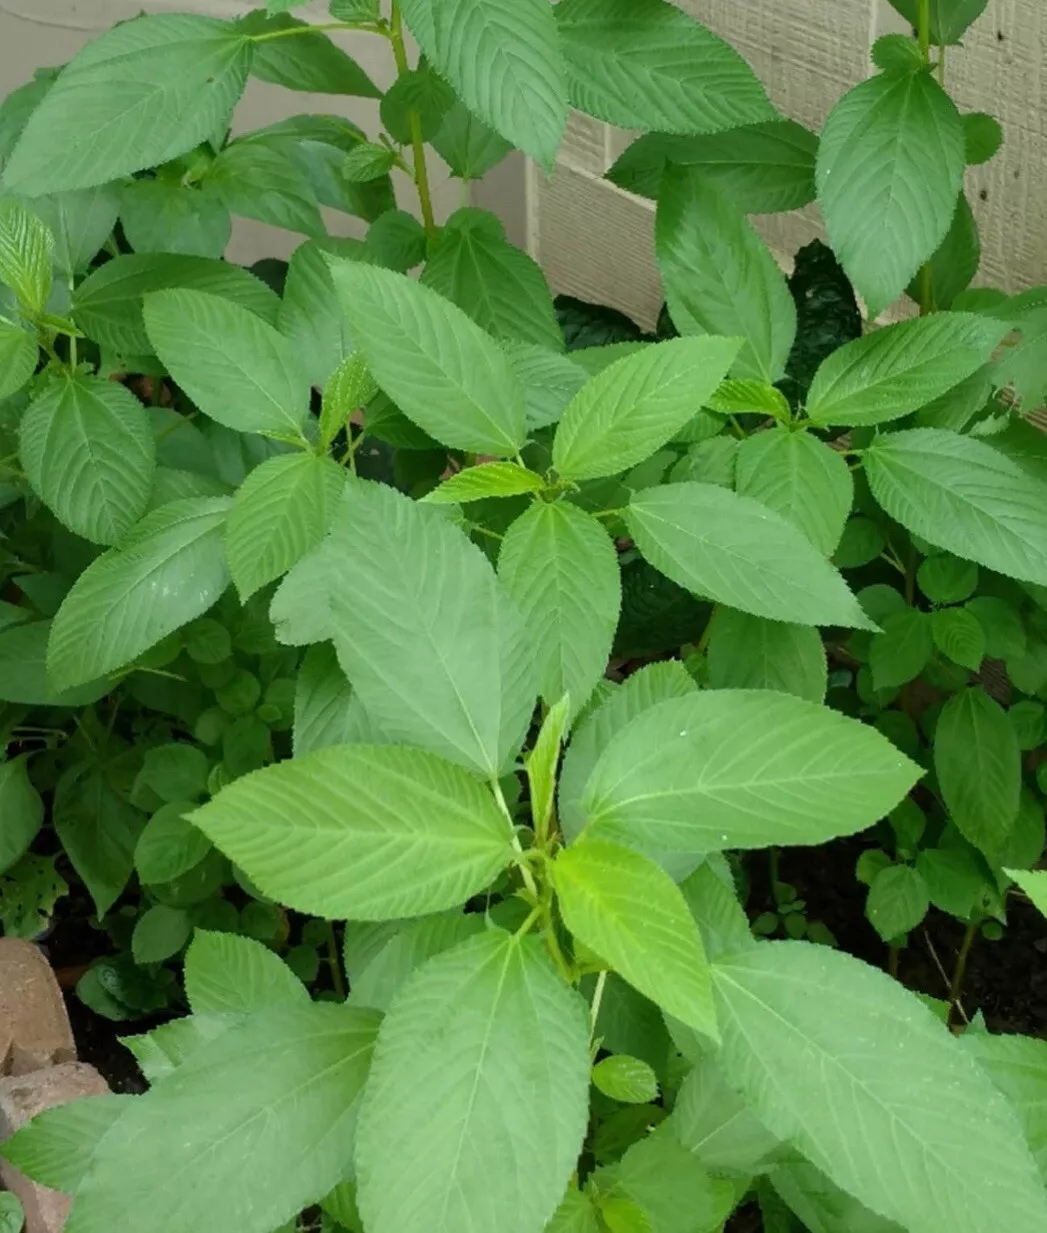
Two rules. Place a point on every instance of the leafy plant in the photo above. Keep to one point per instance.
(275, 659)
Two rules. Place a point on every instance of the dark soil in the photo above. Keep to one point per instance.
(97, 1042)
(1006, 980)
(71, 945)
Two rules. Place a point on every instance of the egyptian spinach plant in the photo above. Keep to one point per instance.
(558, 1017)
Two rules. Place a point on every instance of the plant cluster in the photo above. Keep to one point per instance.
(406, 638)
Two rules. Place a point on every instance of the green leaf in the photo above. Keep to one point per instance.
(236, 368)
(663, 1180)
(625, 413)
(279, 514)
(264, 183)
(714, 1123)
(893, 371)
(88, 452)
(301, 607)
(18, 357)
(745, 397)
(378, 982)
(522, 96)
(378, 832)
(820, 1206)
(649, 685)
(560, 568)
(324, 703)
(489, 479)
(890, 168)
(271, 1101)
(480, 1153)
(139, 95)
(437, 365)
(170, 845)
(26, 254)
(949, 18)
(742, 769)
(898, 901)
(645, 64)
(747, 652)
(983, 136)
(906, 1085)
(348, 389)
(397, 241)
(576, 1214)
(98, 830)
(11, 1213)
(81, 222)
(549, 382)
(160, 217)
(719, 276)
(626, 1079)
(23, 670)
(543, 760)
(1034, 884)
(161, 1051)
(174, 772)
(314, 148)
(712, 897)
(159, 933)
(962, 495)
(108, 303)
(430, 640)
(895, 53)
(762, 168)
(1017, 1066)
(305, 61)
(500, 287)
(21, 811)
(959, 636)
(368, 162)
(628, 911)
(467, 145)
(738, 552)
(901, 652)
(58, 1146)
(416, 96)
(311, 317)
(978, 763)
(167, 571)
(801, 478)
(707, 462)
(231, 975)
(946, 579)
(954, 263)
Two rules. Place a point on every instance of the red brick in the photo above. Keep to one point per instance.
(34, 1026)
(22, 1097)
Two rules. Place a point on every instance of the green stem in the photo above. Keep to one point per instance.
(925, 278)
(960, 971)
(334, 963)
(552, 945)
(923, 29)
(295, 31)
(941, 65)
(521, 864)
(893, 955)
(594, 1010)
(421, 171)
(707, 633)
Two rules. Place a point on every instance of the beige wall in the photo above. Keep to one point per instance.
(596, 241)
(34, 33)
